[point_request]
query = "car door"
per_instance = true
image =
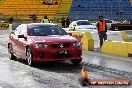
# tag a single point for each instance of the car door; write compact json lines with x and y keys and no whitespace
{"x":14,"y":40}
{"x":22,"y":42}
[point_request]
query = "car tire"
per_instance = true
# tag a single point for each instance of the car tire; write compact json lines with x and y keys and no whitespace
{"x":29,"y":57}
{"x":76,"y":62}
{"x":116,"y":28}
{"x":11,"y":56}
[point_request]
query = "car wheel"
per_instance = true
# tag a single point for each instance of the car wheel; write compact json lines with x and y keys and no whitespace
{"x":76,"y":62}
{"x":116,"y":28}
{"x":30,"y":57}
{"x":11,"y":56}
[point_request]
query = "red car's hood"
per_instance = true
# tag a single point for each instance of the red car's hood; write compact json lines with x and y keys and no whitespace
{"x":53,"y":38}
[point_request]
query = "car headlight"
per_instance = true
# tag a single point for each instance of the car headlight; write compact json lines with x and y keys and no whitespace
{"x":41,"y":45}
{"x":77,"y":44}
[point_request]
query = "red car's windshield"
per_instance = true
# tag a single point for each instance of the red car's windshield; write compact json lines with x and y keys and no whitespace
{"x":44,"y":30}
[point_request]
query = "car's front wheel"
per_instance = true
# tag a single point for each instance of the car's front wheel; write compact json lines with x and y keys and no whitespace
{"x":30,"y":57}
{"x":10,"y":51}
{"x":76,"y":62}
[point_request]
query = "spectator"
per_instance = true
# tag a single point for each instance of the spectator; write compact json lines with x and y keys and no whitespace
{"x":102,"y":29}
{"x":67,"y":22}
{"x":45,"y":20}
{"x":10,"y":24}
{"x":11,"y":20}
{"x":63,"y":22}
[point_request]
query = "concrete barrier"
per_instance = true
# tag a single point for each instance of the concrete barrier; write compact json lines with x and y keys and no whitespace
{"x":124,"y":36}
{"x":119,"y":48}
{"x":87,"y":40}
{"x":106,"y":47}
{"x":130,"y":48}
{"x":90,"y":41}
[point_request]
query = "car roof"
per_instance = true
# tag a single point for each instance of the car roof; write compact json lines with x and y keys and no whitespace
{"x":107,"y":19}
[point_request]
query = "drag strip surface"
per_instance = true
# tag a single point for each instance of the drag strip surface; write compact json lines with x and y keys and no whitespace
{"x":17,"y":74}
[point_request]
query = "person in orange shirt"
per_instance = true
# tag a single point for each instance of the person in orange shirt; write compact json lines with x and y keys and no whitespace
{"x":102,"y":29}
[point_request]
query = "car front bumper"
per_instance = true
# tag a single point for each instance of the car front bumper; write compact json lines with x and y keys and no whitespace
{"x":57,"y":54}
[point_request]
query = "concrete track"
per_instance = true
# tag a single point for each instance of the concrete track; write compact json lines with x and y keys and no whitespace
{"x":16,"y":74}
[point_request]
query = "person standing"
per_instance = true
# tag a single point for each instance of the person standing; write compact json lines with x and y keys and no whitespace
{"x":67,"y":22}
{"x":10,"y":24}
{"x":63,"y":22}
{"x":45,"y":20}
{"x":102,"y":29}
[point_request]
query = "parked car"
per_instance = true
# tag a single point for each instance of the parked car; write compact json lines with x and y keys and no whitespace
{"x":80,"y":25}
{"x":109,"y":22}
{"x":38,"y":42}
{"x":126,"y":25}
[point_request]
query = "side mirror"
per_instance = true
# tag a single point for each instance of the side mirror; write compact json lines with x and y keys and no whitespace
{"x":21,"y":36}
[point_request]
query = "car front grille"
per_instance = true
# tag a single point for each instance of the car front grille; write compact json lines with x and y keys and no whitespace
{"x":63,"y":45}
{"x":61,"y":56}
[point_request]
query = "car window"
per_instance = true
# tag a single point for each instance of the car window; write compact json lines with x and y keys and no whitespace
{"x":108,"y":21}
{"x":43,"y":30}
{"x":83,"y":23}
{"x":23,"y":30}
{"x":17,"y":30}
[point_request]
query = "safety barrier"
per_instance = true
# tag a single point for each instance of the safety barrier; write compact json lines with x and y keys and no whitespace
{"x":130,"y":49}
{"x":111,"y":35}
{"x":124,"y":36}
{"x":119,"y":48}
{"x":115,"y":45}
{"x":90,"y":40}
{"x":87,"y":40}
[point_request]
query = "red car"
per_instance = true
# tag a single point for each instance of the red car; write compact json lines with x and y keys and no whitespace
{"x":39,"y":42}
